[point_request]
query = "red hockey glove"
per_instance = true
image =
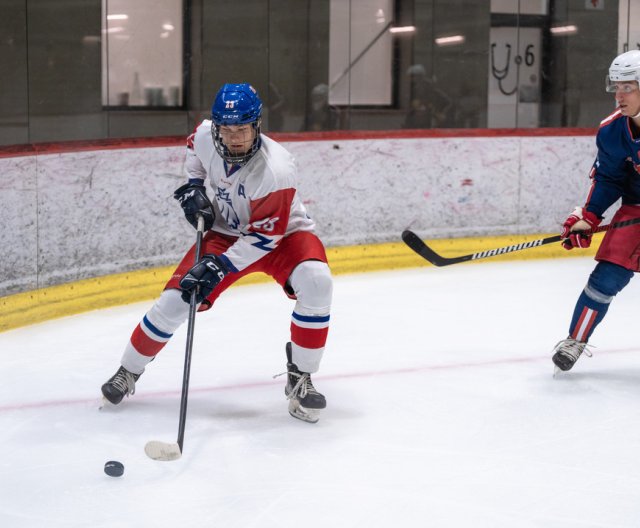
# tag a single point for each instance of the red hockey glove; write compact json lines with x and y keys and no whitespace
{"x":577,"y":229}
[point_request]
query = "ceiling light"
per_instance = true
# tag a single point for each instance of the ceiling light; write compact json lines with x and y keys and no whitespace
{"x":450,"y":41}
{"x":117,"y":17}
{"x":403,"y":29}
{"x":564,"y":30}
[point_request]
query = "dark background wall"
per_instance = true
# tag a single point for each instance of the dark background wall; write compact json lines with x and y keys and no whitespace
{"x":50,"y":65}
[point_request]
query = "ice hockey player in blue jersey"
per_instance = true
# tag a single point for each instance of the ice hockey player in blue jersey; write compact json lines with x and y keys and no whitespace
{"x":615,"y":175}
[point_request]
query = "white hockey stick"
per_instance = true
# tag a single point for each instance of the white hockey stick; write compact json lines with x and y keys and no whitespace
{"x":164,"y":451}
{"x":167,"y":451}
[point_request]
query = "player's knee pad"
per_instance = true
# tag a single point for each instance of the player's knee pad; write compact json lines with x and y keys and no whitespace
{"x":169,"y":311}
{"x":313,"y":286}
{"x":606,"y":280}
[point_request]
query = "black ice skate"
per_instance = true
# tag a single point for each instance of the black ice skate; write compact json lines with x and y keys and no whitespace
{"x":121,"y":384}
{"x":305,"y":401}
{"x":567,"y":353}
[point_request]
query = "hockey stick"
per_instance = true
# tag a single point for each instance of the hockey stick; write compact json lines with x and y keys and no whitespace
{"x":415,"y":242}
{"x":166,"y":451}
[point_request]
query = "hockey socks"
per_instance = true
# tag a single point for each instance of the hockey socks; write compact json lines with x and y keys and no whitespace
{"x":155,"y":330}
{"x":147,"y":339}
{"x":605,"y":281}
{"x":586,"y":316}
{"x":308,"y":337}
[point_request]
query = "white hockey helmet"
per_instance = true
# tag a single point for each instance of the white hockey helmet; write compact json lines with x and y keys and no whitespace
{"x":624,"y":68}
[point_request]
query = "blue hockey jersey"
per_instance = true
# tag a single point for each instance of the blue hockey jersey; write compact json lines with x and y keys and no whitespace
{"x":616,"y":171}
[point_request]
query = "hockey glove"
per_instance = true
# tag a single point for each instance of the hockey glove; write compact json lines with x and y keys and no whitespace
{"x":193,"y":199}
{"x":206,"y":274}
{"x":577,"y":229}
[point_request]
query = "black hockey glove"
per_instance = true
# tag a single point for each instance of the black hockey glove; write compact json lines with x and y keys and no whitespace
{"x":207,"y":274}
{"x":193,"y":199}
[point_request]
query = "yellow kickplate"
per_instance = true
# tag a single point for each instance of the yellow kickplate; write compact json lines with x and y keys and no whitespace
{"x":112,"y":290}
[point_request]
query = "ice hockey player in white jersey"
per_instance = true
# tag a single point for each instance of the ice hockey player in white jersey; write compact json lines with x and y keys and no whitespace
{"x":256,"y":222}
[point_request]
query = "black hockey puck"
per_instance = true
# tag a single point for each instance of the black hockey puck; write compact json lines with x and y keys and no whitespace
{"x":113,"y":468}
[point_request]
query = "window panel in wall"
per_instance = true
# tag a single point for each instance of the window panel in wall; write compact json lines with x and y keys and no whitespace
{"x":235,"y":47}
{"x":142,"y":53}
{"x":629,"y":25}
{"x":14,"y":104}
{"x":514,"y":63}
{"x":291,"y":38}
{"x":63,"y":57}
{"x":514,"y":80}
{"x":360,"y":54}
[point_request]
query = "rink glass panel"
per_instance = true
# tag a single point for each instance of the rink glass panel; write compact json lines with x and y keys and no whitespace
{"x":374,"y":65}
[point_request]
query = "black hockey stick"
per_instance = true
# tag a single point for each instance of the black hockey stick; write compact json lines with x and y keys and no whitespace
{"x":415,"y":242}
{"x":172,"y":451}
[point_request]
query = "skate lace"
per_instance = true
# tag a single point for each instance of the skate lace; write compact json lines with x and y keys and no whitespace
{"x":573,"y":348}
{"x":124,"y":382}
{"x":302,"y":387}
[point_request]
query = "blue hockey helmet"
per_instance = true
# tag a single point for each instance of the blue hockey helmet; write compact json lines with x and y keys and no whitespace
{"x":236,"y":104}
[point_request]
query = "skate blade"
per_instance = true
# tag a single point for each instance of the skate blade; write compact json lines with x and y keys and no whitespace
{"x":104,"y":403}
{"x":163,"y":451}
{"x":302,"y":413}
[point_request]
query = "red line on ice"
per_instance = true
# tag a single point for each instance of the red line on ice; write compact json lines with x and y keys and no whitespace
{"x":252,"y":385}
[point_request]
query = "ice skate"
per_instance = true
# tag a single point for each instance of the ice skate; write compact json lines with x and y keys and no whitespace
{"x":121,"y":384}
{"x":305,"y":401}
{"x":567,"y":352}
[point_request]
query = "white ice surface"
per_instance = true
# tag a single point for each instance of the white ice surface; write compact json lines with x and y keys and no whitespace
{"x":442,"y":412}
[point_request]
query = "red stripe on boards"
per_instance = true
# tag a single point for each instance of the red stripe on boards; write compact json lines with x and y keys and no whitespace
{"x":32,"y":149}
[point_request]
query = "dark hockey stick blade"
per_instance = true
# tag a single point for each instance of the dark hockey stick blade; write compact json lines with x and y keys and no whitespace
{"x":415,"y":242}
{"x":164,"y":451}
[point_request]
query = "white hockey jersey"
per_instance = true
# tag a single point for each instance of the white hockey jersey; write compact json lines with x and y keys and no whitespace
{"x":258,"y":203}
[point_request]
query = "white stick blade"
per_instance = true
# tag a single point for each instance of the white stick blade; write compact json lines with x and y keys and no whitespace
{"x":162,"y":450}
